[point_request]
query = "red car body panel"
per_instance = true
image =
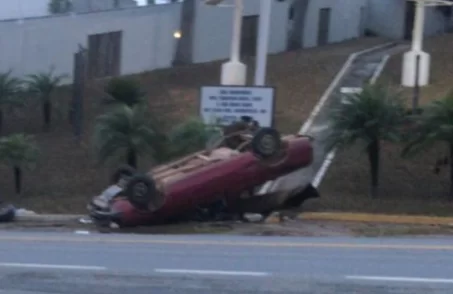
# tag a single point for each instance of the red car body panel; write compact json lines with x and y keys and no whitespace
{"x":223,"y":179}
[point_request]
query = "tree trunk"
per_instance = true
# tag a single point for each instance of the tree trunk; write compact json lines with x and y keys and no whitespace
{"x":18,"y":179}
{"x":47,"y":114}
{"x":132,"y":158}
{"x":451,"y":172}
{"x":373,"y":151}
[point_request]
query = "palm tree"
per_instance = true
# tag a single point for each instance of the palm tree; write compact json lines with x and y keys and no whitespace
{"x":122,"y":90}
{"x":18,"y":151}
{"x":434,"y":125}
{"x":127,"y":132}
{"x":43,"y":86}
{"x":371,"y":116}
{"x":59,"y":6}
{"x":10,"y":88}
{"x":191,"y":136}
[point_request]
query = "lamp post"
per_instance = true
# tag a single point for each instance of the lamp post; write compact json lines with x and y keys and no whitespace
{"x":234,"y":72}
{"x":263,"y":42}
{"x":416,"y":62}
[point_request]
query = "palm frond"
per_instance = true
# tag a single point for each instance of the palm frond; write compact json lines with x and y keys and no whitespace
{"x":435,"y":124}
{"x":125,"y":128}
{"x":10,"y":88}
{"x":43,"y":84}
{"x":18,"y":150}
{"x":123,"y":91}
{"x":373,"y":114}
{"x":191,"y":136}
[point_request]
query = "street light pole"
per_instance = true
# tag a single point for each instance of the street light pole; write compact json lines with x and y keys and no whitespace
{"x":263,"y":42}
{"x":416,"y":62}
{"x":234,"y":72}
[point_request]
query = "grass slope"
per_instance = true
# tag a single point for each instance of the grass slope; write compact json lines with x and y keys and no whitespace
{"x":408,"y":186}
{"x":67,"y":175}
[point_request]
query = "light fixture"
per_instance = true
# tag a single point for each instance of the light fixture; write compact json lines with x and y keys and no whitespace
{"x":177,"y":35}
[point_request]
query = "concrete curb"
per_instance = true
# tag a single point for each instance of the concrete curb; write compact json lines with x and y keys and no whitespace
{"x":48,"y":218}
{"x":372,"y":218}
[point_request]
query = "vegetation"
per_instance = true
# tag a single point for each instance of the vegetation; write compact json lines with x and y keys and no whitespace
{"x":191,"y":136}
{"x":42,"y":86}
{"x":123,"y":91}
{"x":435,"y":125}
{"x":18,"y":151}
{"x":10,"y":94}
{"x":369,"y":117}
{"x":127,"y":132}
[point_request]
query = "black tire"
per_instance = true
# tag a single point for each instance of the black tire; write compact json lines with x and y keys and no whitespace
{"x":7,"y":213}
{"x":141,"y":191}
{"x":266,"y":143}
{"x":124,"y":171}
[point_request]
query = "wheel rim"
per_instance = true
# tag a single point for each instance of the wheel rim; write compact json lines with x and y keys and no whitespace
{"x":268,"y":145}
{"x":140,"y":190}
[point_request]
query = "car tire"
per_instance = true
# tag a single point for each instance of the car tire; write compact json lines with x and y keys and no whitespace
{"x":141,"y":191}
{"x":7,"y":213}
{"x":266,"y":143}
{"x":124,"y":171}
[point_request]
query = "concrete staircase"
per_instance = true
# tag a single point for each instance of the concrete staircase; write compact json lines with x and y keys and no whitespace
{"x":360,"y":71}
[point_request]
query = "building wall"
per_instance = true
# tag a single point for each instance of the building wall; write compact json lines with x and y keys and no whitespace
{"x":387,"y":18}
{"x":11,"y":9}
{"x":36,"y":44}
{"x":213,"y":29}
{"x":98,"y":5}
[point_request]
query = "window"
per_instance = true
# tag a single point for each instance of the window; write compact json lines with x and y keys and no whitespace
{"x":104,"y":54}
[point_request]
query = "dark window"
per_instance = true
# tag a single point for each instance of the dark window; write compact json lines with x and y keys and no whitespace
{"x":104,"y":54}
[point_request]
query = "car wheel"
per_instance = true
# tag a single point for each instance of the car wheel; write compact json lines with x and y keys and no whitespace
{"x":266,"y":143}
{"x":124,"y":172}
{"x":141,"y":191}
{"x":7,"y":213}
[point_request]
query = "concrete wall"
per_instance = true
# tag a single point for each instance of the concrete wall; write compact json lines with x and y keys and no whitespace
{"x":387,"y":18}
{"x":213,"y":29}
{"x":344,"y":22}
{"x":11,"y":9}
{"x":98,"y":5}
{"x":36,"y":44}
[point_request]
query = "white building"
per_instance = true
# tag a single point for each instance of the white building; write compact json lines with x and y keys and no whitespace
{"x":395,"y":19}
{"x":133,"y":40}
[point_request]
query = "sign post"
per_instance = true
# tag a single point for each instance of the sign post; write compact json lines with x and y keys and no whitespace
{"x":226,"y":104}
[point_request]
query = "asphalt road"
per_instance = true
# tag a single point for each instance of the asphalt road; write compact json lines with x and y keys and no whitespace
{"x":38,"y":263}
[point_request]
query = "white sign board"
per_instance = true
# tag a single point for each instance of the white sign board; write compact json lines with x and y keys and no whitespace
{"x":226,"y":104}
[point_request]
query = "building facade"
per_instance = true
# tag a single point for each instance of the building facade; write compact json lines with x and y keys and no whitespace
{"x":132,"y":40}
{"x":401,"y":13}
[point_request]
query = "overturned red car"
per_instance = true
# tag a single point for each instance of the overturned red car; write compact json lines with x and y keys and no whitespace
{"x":203,"y":178}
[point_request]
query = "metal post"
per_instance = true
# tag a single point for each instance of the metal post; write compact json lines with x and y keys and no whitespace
{"x":416,"y":85}
{"x":419,"y":22}
{"x":263,"y":42}
{"x":237,"y":27}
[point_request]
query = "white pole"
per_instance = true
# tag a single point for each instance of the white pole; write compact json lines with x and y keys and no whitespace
{"x":419,"y":21}
{"x":237,"y":27}
{"x":263,"y":42}
{"x":234,"y":72}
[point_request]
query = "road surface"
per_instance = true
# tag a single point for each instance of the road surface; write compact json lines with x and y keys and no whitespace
{"x":43,"y":263}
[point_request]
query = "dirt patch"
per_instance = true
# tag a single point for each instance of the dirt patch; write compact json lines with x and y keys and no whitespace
{"x":67,"y":175}
{"x":408,"y":186}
